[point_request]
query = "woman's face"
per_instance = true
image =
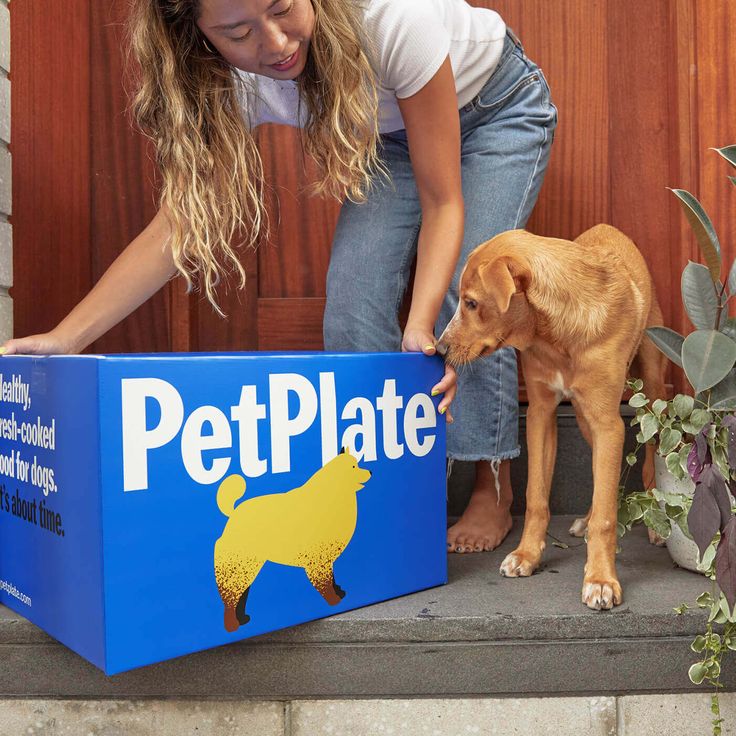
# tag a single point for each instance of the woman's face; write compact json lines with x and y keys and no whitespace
{"x":267,"y":37}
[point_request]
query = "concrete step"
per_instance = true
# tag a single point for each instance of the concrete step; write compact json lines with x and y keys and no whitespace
{"x":481,"y":634}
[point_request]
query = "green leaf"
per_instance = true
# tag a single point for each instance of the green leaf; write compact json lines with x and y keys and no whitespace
{"x":723,"y":394}
{"x":668,"y":440}
{"x":728,"y":326}
{"x":697,"y":673}
{"x":649,"y":427}
{"x":631,"y":459}
{"x":699,"y":296}
{"x":704,"y":231}
{"x":729,"y":153}
{"x":668,"y":341}
{"x":731,"y":290}
{"x":636,"y":385}
{"x":657,"y":520}
{"x":682,"y":523}
{"x":659,"y":406}
{"x":683,"y":405}
{"x":704,"y":600}
{"x":708,"y":557}
{"x":698,"y":644}
{"x":707,"y":357}
{"x":673,"y":465}
{"x":699,"y":418}
{"x":638,"y":400}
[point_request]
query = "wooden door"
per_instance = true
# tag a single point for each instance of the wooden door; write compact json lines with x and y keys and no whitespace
{"x":642,"y":91}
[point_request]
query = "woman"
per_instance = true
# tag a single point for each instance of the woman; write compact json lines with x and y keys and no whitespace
{"x":424,"y":114}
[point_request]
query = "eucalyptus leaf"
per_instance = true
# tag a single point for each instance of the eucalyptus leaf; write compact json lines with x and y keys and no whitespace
{"x":704,"y":231}
{"x":728,"y":326}
{"x":729,"y":153}
{"x":668,"y":341}
{"x":707,"y":357}
{"x":731,"y":282}
{"x":723,"y":394}
{"x":699,"y":296}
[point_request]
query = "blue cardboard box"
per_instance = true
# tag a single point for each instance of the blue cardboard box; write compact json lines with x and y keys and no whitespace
{"x":157,"y":505}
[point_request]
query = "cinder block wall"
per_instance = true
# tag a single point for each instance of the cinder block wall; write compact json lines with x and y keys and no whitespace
{"x":6,"y":192}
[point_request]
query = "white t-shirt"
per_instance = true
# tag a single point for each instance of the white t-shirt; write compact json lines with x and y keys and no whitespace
{"x":411,"y":39}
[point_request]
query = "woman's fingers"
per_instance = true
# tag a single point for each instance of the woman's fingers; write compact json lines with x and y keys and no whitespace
{"x":448,"y":386}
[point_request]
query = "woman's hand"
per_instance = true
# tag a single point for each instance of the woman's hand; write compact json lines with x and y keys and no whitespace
{"x":48,"y":343}
{"x":417,"y":340}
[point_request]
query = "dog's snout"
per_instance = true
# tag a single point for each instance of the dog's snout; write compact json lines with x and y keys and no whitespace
{"x":441,"y":347}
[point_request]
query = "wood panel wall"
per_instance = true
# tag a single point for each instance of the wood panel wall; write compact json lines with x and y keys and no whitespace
{"x":643,"y":90}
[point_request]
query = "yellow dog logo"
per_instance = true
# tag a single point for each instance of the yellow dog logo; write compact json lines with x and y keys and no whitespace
{"x":306,"y":527}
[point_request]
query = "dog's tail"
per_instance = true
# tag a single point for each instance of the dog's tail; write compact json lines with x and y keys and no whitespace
{"x":230,"y":490}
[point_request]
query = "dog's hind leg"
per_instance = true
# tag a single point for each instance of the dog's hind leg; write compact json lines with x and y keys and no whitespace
{"x":322,"y":577}
{"x":580,"y":526}
{"x":651,"y":363}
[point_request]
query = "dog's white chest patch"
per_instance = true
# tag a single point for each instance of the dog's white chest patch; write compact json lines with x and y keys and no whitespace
{"x":558,"y":386}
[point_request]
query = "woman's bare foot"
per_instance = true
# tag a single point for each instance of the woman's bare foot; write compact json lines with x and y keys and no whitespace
{"x":486,"y":520}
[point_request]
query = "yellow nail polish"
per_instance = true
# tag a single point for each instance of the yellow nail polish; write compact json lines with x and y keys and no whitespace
{"x":434,"y":392}
{"x":429,"y":347}
{"x":443,"y":410}
{"x":3,"y":351}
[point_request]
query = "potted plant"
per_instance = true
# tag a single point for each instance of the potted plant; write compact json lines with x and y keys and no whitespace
{"x":692,"y":505}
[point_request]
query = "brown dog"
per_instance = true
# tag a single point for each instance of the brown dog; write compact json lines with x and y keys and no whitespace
{"x":577,"y":312}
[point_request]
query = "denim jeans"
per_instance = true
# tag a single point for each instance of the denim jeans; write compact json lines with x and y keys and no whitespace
{"x":507,"y":133}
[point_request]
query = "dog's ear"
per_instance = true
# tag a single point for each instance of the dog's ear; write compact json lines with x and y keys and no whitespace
{"x":498,"y":282}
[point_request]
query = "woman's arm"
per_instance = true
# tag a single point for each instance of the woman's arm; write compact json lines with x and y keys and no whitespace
{"x":432,"y":127}
{"x":137,"y":273}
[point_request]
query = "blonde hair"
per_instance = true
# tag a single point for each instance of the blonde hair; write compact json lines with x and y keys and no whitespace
{"x":188,"y":101}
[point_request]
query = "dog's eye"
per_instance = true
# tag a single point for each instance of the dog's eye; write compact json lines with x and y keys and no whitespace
{"x":471,"y":303}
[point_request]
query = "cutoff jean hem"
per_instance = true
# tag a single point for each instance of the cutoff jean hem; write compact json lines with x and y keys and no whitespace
{"x":510,"y":455}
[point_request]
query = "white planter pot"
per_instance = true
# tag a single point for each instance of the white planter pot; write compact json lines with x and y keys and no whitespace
{"x":683,"y":551}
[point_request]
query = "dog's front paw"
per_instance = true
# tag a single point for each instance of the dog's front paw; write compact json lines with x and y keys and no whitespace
{"x":600,"y":594}
{"x":655,"y":539}
{"x":579,"y":527}
{"x":518,"y":564}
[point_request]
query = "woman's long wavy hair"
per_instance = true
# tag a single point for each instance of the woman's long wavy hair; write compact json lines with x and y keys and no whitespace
{"x":187,"y":100}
